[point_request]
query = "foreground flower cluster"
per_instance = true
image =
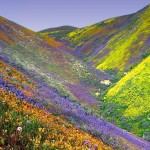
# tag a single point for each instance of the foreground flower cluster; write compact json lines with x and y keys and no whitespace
{"x":25,"y":126}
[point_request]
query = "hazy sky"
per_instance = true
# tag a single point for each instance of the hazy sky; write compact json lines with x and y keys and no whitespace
{"x":42,"y":14}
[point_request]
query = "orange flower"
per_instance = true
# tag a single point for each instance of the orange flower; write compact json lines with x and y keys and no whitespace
{"x":6,"y":120}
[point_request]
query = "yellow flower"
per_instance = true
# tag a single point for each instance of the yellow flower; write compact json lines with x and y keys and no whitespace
{"x":40,"y":129}
{"x":46,"y":141}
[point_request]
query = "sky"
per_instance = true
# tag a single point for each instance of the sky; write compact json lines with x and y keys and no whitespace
{"x":42,"y":14}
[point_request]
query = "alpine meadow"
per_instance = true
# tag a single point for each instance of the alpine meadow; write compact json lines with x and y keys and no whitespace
{"x":70,"y":88}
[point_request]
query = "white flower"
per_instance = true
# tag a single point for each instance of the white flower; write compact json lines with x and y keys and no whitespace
{"x":19,"y":129}
{"x":97,"y":93}
{"x":106,"y":82}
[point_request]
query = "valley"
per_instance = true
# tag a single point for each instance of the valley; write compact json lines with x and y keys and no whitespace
{"x":78,"y":88}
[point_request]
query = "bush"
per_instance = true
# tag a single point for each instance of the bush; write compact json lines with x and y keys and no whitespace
{"x":145,"y":124}
{"x":146,"y":136}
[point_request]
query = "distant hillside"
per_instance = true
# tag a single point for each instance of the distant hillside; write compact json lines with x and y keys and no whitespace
{"x":64,"y":28}
{"x":116,"y":44}
{"x":58,"y":33}
{"x":128,"y":102}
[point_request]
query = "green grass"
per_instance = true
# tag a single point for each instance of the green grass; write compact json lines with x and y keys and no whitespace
{"x":127,"y":103}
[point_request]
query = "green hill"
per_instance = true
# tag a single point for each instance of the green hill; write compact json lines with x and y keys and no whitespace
{"x":61,"y":28}
{"x":115,"y":44}
{"x":127,"y":103}
{"x":58,"y":33}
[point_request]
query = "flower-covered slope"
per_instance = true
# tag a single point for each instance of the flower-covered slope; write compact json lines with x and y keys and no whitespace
{"x":35,"y":73}
{"x":128,"y":102}
{"x":114,"y":44}
{"x":24,"y":126}
{"x":49,"y":60}
{"x":27,"y":120}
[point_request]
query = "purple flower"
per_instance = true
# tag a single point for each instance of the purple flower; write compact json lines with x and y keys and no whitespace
{"x":86,"y":142}
{"x":28,"y":121}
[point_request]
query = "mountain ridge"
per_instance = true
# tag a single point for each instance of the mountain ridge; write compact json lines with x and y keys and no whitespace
{"x":64,"y":27}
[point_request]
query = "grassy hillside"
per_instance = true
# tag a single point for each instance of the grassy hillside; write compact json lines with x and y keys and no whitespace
{"x":128,"y":102}
{"x":116,"y":44}
{"x":34,"y":115}
{"x":27,"y":126}
{"x":48,"y":60}
{"x":41,"y":78}
{"x":61,"y":28}
{"x":131,"y":45}
{"x":58,"y":33}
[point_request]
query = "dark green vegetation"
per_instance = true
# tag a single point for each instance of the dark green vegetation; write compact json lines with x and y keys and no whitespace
{"x":61,"y":28}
